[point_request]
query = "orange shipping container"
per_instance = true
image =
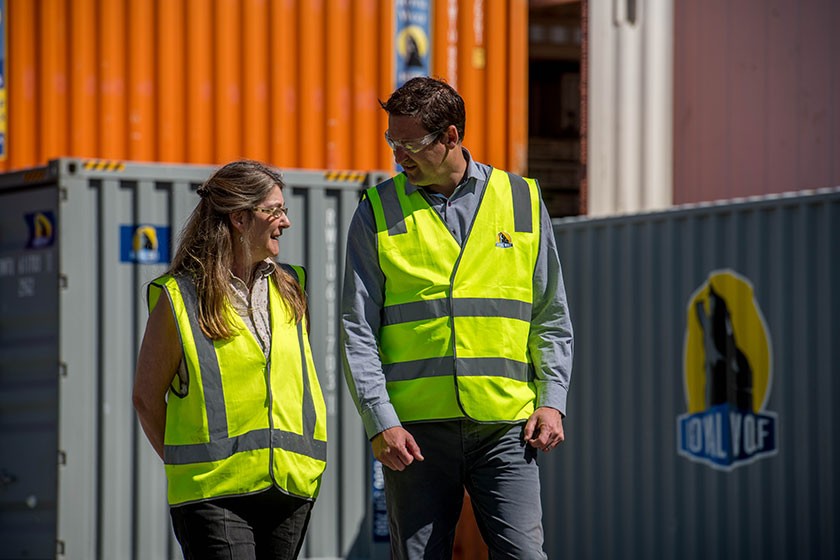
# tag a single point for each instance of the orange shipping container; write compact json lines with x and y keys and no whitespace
{"x":295,"y":83}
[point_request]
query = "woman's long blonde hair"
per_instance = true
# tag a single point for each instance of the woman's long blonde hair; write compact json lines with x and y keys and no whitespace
{"x":205,"y":247}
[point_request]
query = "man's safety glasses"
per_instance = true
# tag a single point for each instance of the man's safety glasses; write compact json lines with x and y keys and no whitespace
{"x":415,"y":145}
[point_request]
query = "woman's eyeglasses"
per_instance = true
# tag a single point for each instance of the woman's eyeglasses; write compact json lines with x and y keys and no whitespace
{"x":274,"y":212}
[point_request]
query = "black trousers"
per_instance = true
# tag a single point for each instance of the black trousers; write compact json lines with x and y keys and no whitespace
{"x":266,"y":525}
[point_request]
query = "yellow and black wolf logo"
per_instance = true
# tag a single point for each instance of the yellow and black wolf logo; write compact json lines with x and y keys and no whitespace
{"x":728,"y":374}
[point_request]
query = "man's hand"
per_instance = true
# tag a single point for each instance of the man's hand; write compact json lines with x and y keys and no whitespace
{"x":544,"y":429}
{"x":395,"y":448}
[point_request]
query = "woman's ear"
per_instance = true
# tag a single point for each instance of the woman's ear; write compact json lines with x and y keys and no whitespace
{"x":237,"y":220}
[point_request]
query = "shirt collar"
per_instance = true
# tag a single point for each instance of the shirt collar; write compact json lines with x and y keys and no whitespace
{"x":263,"y":269}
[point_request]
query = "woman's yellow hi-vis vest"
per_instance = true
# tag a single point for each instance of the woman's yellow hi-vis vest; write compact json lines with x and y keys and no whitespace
{"x":454,"y":334}
{"x":245,"y":423}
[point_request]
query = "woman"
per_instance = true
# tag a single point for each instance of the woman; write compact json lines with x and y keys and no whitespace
{"x":226,"y":390}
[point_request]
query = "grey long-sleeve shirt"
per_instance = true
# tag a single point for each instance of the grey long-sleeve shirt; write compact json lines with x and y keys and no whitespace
{"x":550,"y":338}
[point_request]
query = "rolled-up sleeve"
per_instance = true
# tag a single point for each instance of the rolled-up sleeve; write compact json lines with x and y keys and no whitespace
{"x":550,"y":341}
{"x":361,"y":311}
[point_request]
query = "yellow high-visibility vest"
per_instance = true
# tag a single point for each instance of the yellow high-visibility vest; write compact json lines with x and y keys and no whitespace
{"x":245,"y":423}
{"x":454,"y":335}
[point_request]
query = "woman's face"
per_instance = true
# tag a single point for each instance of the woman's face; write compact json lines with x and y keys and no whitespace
{"x":266,"y":229}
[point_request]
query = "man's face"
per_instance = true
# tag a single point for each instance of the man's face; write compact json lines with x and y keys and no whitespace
{"x":425,"y":166}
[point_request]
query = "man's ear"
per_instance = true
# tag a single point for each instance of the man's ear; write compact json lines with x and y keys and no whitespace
{"x":452,"y":137}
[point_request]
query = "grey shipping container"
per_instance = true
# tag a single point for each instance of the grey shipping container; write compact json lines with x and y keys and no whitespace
{"x":703,"y":414}
{"x":79,"y":240}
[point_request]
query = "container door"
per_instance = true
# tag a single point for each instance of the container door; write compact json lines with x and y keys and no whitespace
{"x":28,"y":372}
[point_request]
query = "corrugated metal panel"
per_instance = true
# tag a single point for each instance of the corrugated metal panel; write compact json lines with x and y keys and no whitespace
{"x":481,"y":48}
{"x":295,"y":83}
{"x":756,"y":91}
{"x":619,"y":487}
{"x":73,"y":314}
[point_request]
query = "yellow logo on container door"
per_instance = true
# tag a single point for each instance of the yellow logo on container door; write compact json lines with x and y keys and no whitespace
{"x":41,"y":229}
{"x":728,"y":375}
{"x":144,"y":244}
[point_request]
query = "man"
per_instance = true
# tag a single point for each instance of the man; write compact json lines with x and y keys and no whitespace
{"x":457,"y":337}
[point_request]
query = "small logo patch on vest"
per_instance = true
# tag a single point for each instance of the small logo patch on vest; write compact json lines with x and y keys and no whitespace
{"x":504,"y":240}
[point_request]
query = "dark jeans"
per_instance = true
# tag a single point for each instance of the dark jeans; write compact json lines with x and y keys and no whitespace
{"x":267,"y":525}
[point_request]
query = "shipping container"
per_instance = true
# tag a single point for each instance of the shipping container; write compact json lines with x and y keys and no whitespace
{"x":756,"y":90}
{"x":697,"y":100}
{"x":79,"y":241}
{"x":702,"y":417}
{"x":295,"y":83}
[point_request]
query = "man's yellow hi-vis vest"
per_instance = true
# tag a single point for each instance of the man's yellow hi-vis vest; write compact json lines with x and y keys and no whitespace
{"x":245,"y":423}
{"x":455,"y":325}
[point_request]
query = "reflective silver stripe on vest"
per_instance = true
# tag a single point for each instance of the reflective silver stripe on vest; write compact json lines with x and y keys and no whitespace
{"x":495,"y":367}
{"x":521,"y":204}
{"x":220,"y":445}
{"x":208,"y":363}
{"x":310,"y":417}
{"x":461,"y":307}
{"x":394,"y":219}
{"x":252,"y":441}
{"x":441,"y":367}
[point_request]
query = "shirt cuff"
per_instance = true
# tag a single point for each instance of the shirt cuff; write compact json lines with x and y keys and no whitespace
{"x":551,"y":394}
{"x":379,"y":418}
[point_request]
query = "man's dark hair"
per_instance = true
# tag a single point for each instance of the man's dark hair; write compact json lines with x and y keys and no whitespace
{"x":431,"y":100}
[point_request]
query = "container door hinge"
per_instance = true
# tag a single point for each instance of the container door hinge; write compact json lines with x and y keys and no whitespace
{"x":59,"y":548}
{"x":62,"y":194}
{"x":62,"y":281}
{"x":62,"y":458}
{"x":62,"y":369}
